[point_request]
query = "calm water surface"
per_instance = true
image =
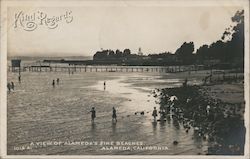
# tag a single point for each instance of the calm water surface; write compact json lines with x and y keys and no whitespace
{"x":37,"y":112}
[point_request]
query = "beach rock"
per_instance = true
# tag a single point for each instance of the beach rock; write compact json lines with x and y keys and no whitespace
{"x":204,"y":138}
{"x":175,"y":142}
{"x":161,"y":120}
{"x":173,"y":98}
{"x":211,"y":139}
{"x":196,"y":128}
{"x":142,"y":113}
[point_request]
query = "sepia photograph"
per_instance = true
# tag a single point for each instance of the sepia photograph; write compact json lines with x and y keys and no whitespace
{"x":125,"y":78}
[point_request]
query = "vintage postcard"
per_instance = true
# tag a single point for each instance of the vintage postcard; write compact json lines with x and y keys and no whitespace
{"x":124,"y":79}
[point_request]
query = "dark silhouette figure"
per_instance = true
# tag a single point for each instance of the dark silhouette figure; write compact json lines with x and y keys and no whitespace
{"x":206,"y":78}
{"x":57,"y":81}
{"x":104,"y":85}
{"x":185,"y":82}
{"x":19,"y":78}
{"x":114,"y":116}
{"x":154,"y":114}
{"x":93,"y":114}
{"x":12,"y":86}
{"x":53,"y":83}
{"x":9,"y":87}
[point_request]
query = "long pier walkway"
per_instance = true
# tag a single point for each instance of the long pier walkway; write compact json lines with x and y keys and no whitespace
{"x":110,"y":68}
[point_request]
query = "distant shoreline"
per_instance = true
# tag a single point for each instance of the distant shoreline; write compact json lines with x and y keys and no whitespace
{"x":49,"y":57}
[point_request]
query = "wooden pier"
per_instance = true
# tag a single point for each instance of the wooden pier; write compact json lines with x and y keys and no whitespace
{"x":90,"y":68}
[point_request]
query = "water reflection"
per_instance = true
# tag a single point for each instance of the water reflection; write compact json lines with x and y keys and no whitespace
{"x":197,"y":140}
{"x":93,"y":128}
{"x":113,"y":127}
{"x":154,"y":125}
{"x":140,"y":98}
{"x":176,"y":124}
{"x":162,"y":125}
{"x":168,"y":119}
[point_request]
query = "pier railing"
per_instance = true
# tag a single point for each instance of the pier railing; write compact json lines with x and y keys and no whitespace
{"x":110,"y":68}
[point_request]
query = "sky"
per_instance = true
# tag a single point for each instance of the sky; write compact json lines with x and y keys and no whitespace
{"x":89,"y":29}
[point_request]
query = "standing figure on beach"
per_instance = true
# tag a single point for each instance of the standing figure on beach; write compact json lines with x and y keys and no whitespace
{"x":185,"y":82}
{"x":104,"y":85}
{"x":19,"y":78}
{"x":154,"y":114}
{"x":57,"y":81}
{"x":93,"y":114}
{"x":53,"y":83}
{"x":208,"y":110}
{"x":12,"y":86}
{"x":9,"y":87}
{"x":114,"y":116}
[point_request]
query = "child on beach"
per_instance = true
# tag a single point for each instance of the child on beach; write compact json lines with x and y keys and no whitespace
{"x":93,"y":114}
{"x":57,"y":81}
{"x":114,"y":115}
{"x":154,"y":114}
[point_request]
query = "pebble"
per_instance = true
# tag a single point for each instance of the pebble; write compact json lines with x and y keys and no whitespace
{"x":175,"y":142}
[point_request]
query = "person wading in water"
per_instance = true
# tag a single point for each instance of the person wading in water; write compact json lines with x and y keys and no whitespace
{"x":19,"y":78}
{"x":9,"y":87}
{"x":114,"y":117}
{"x":93,"y":114}
{"x":53,"y":83}
{"x":104,"y":85}
{"x":154,"y":114}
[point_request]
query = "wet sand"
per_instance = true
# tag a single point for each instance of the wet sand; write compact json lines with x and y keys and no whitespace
{"x":37,"y":113}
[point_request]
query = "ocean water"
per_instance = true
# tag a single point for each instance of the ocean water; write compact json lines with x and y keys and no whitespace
{"x":43,"y":120}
